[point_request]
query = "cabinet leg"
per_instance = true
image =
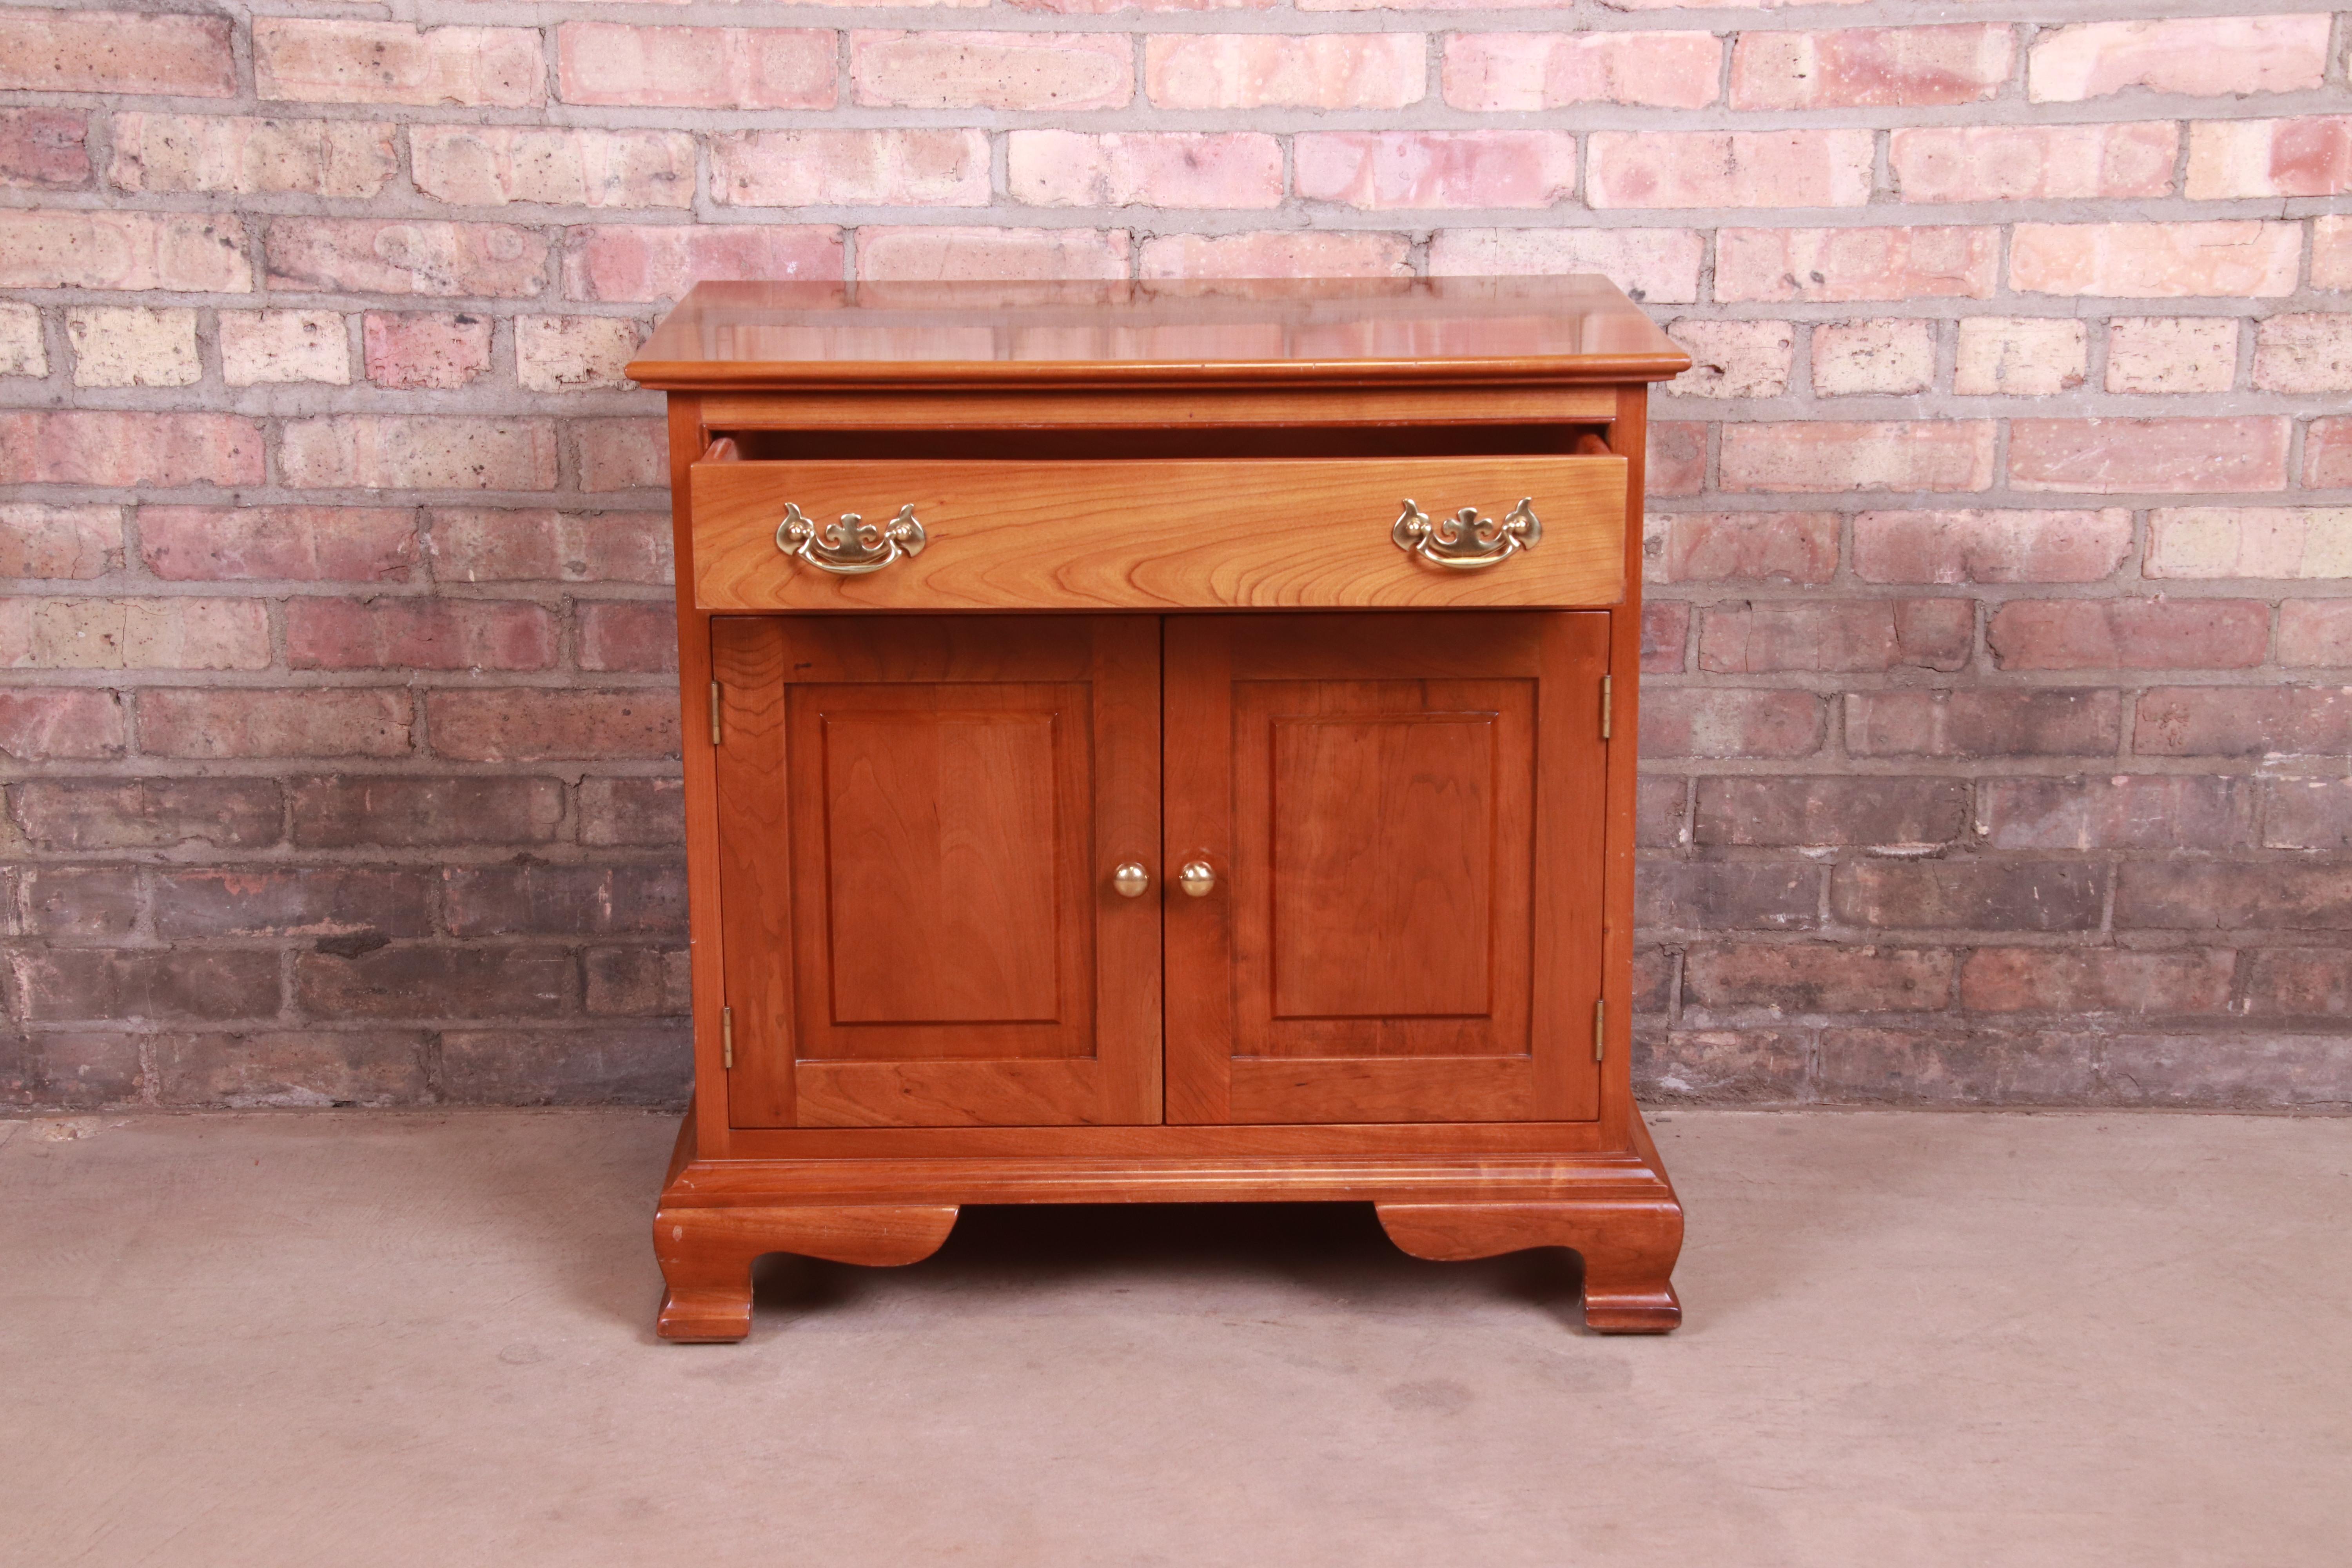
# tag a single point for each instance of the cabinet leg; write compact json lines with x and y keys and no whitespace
{"x":1628,"y":1249}
{"x":705,"y":1254}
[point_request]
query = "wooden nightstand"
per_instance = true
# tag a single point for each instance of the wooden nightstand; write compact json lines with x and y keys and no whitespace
{"x":1159,"y":742}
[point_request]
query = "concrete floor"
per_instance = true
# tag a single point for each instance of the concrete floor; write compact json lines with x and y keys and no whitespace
{"x":1912,"y":1339}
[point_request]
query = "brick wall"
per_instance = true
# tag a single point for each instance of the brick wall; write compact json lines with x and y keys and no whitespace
{"x":2001,"y":626}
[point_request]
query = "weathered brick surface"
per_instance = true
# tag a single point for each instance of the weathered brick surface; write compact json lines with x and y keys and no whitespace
{"x":1999,"y":554}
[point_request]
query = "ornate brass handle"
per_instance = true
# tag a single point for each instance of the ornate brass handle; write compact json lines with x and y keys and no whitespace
{"x":1197,"y":877}
{"x":1131,"y":878}
{"x":853,"y":546}
{"x":1466,"y":542}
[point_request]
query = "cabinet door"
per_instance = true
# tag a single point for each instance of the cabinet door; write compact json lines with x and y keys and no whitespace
{"x":1403,"y":814}
{"x":918,"y":819}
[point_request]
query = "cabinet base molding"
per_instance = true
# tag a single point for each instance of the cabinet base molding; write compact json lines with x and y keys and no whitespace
{"x":717,"y":1217}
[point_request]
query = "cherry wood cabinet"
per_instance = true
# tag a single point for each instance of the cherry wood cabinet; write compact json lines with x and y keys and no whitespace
{"x":1162,"y":743}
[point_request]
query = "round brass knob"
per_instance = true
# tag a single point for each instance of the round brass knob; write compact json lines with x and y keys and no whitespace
{"x":1197,"y":877}
{"x":1131,"y":878}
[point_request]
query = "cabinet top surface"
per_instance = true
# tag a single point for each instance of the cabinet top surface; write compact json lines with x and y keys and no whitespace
{"x":1579,"y":328}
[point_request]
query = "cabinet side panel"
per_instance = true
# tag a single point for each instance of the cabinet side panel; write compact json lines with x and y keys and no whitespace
{"x":710,"y":1119}
{"x":752,"y":763}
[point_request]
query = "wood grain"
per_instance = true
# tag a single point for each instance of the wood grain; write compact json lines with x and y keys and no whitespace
{"x":1628,"y":1246}
{"x":1097,"y":409}
{"x":705,"y":1254}
{"x":1152,"y":535}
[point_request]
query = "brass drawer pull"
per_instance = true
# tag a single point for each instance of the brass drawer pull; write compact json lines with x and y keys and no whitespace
{"x":1466,"y":542}
{"x":853,"y":546}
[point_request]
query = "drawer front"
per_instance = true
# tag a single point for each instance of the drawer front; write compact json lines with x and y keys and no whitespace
{"x":1159,"y":534}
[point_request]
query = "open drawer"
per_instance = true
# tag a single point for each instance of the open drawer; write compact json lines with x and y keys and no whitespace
{"x":1548,"y":531}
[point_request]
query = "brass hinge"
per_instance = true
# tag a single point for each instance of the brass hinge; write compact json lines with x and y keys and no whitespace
{"x":1599,"y":1031}
{"x":714,"y":713}
{"x":727,"y":1038}
{"x":1605,"y":705}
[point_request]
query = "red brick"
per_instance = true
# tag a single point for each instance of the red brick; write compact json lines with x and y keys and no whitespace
{"x":133,"y":985}
{"x":1666,"y":634}
{"x":1974,"y":1066}
{"x":1991,"y":546}
{"x":277,"y":544}
{"x":628,"y":634}
{"x":1889,"y":358}
{"x":1818,"y":977}
{"x":2331,"y":252}
{"x":391,"y":62}
{"x":623,"y":454}
{"x":1280,"y":253}
{"x":529,"y":725}
{"x":564,"y":900}
{"x":622,"y":262}
{"x":1717,"y":721}
{"x":261,"y":348}
{"x":44,"y":149}
{"x":22,"y":351}
{"x":1267,"y":71}
{"x":2158,"y":456}
{"x":641,"y":1065}
{"x":916,"y":167}
{"x":1806,"y":812}
{"x":1978,"y":895}
{"x":1833,"y":265}
{"x":2042,"y":723}
{"x":1892,"y":454}
{"x":2175,"y":893}
{"x":1436,"y":169}
{"x":1733,"y":359}
{"x":400,"y":811}
{"x":470,"y":546}
{"x":238,"y":723}
{"x":2129,"y":633}
{"x":1658,"y":266}
{"x":417,"y":634}
{"x":2299,"y":982}
{"x":2130,"y":811}
{"x":308,"y":900}
{"x":292,"y":1068}
{"x":991,"y":70}
{"x":148,"y":814}
{"x":2238,"y":259}
{"x":42,"y":724}
{"x":2019,"y":356}
{"x":122,"y":451}
{"x":188,"y":253}
{"x":1658,"y":811}
{"x":117,"y":345}
{"x":2304,"y":353}
{"x":2096,"y":980}
{"x":2223,"y":542}
{"x":437,"y":983}
{"x":2205,"y":56}
{"x":1871,"y":66}
{"x":1773,"y":635}
{"x":393,"y":256}
{"x":2239,"y":158}
{"x":1808,"y":168}
{"x":227,"y":154}
{"x":934,"y":253}
{"x":2033,"y":162}
{"x":2173,"y":353}
{"x":408,"y":351}
{"x":695,"y":67}
{"x":1676,"y":464}
{"x":2307,"y":814}
{"x":59,"y":541}
{"x":2227,"y":1072}
{"x":373,"y":451}
{"x":574,"y":353}
{"x":634,"y":811}
{"x":1747,"y":895}
{"x":1158,"y":169}
{"x":2316,"y":632}
{"x":1513,"y":72}
{"x":75,"y":1069}
{"x":73,"y":50}
{"x":1723,"y":1067}
{"x":639,"y":981}
{"x":2328,"y":453}
{"x":54,"y":632}
{"x":2244,"y":721}
{"x":491,"y":165}
{"x":1740,"y":546}
{"x":80,"y":903}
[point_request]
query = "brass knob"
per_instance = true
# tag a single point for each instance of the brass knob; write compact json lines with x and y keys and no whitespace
{"x":1197,"y":877}
{"x":1131,"y":878}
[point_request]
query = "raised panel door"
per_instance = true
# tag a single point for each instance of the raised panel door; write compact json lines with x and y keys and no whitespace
{"x":920,"y":819}
{"x":1404,"y":817}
